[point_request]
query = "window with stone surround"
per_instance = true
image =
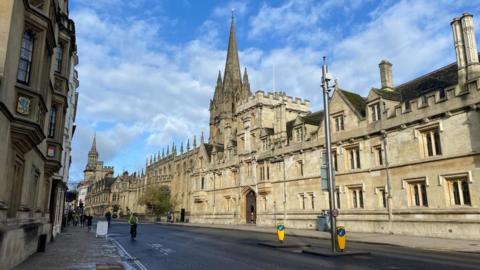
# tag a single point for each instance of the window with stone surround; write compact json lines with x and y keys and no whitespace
{"x":334,"y":160}
{"x":298,"y":134}
{"x":378,"y":155}
{"x":408,"y":106}
{"x":423,"y":101}
{"x":431,"y":141}
{"x":375,"y":112}
{"x":337,"y":197}
{"x":339,"y":122}
{"x":58,"y":58}
{"x":458,"y":191}
{"x":382,"y":197}
{"x":442,"y":94}
{"x":300,"y":167}
{"x":356,"y":196}
{"x":311,"y":196}
{"x":26,"y":56}
{"x":262,"y":172}
{"x":353,"y":157}
{"x":52,"y":121}
{"x":417,"y":192}
{"x":302,"y":200}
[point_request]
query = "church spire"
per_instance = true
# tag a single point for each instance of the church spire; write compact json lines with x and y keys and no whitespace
{"x":219,"y":78}
{"x":245,"y":76}
{"x":93,"y":154}
{"x":232,"y":76}
{"x":93,"y":149}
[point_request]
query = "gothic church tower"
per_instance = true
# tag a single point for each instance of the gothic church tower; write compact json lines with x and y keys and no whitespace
{"x":229,"y":92}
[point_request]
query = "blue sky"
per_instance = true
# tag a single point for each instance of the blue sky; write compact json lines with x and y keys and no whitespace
{"x":148,"y":68}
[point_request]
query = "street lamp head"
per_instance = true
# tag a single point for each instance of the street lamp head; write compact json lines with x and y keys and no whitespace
{"x":328,"y":76}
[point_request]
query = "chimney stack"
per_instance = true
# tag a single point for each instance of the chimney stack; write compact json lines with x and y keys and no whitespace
{"x":386,"y":75}
{"x":465,"y":48}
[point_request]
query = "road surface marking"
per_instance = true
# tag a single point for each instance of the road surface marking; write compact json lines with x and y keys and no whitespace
{"x":133,"y":259}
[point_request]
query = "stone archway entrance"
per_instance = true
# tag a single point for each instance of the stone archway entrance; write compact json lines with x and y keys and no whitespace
{"x":251,"y":207}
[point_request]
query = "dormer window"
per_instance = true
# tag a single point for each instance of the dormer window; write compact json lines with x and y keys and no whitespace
{"x":339,"y":123}
{"x":375,"y":110}
{"x":442,"y":94}
{"x":298,"y":134}
{"x":424,"y":101}
{"x":408,"y":106}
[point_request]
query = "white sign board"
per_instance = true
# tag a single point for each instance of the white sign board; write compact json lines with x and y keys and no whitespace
{"x":102,"y":228}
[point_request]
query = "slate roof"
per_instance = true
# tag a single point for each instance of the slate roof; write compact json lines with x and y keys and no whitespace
{"x":357,"y":101}
{"x":438,"y":79}
{"x":109,"y":181}
{"x":266,"y":131}
{"x":314,"y":118}
{"x":389,"y":95}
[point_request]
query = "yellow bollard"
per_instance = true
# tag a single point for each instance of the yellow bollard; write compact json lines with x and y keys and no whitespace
{"x":341,"y":238}
{"x":280,"y":232}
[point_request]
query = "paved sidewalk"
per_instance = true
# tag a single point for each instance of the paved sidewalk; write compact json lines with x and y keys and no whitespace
{"x":76,"y":249}
{"x":428,"y":243}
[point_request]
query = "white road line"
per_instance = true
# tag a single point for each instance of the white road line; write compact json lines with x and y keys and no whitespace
{"x":135,"y":260}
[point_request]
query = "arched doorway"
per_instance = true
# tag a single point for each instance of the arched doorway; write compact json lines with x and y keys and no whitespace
{"x":251,"y":207}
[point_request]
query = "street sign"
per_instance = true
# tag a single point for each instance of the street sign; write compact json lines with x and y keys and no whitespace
{"x":323,"y":176}
{"x":102,"y":228}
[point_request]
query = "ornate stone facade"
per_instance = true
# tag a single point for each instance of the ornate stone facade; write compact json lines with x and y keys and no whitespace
{"x":407,"y":157}
{"x":98,"y":179}
{"x":37,"y":55}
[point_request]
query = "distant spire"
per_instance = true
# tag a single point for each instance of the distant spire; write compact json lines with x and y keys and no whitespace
{"x":219,"y":78}
{"x":93,"y":149}
{"x":188,"y":145}
{"x":245,"y":76}
{"x":168,"y":150}
{"x":201,"y":138}
{"x":181,"y":148}
{"x":194,"y":141}
{"x":163,"y":152}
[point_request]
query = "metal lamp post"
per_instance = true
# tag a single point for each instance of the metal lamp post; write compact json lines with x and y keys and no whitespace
{"x":326,"y":77}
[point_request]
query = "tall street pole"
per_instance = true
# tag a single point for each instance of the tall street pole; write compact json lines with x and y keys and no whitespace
{"x":284,"y":193}
{"x":331,"y":181}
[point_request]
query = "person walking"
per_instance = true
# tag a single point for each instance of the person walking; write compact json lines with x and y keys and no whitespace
{"x":133,"y":221}
{"x":82,"y":220}
{"x":89,"y":222}
{"x":108,"y":217}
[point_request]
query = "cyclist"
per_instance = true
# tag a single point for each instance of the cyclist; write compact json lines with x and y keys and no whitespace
{"x":133,"y":221}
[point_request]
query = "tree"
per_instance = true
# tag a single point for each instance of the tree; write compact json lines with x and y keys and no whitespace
{"x":157,"y":200}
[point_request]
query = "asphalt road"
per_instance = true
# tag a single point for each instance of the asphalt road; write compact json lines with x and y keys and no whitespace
{"x":179,"y":247}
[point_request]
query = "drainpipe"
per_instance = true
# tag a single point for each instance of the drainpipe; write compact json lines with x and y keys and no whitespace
{"x":389,"y":185}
